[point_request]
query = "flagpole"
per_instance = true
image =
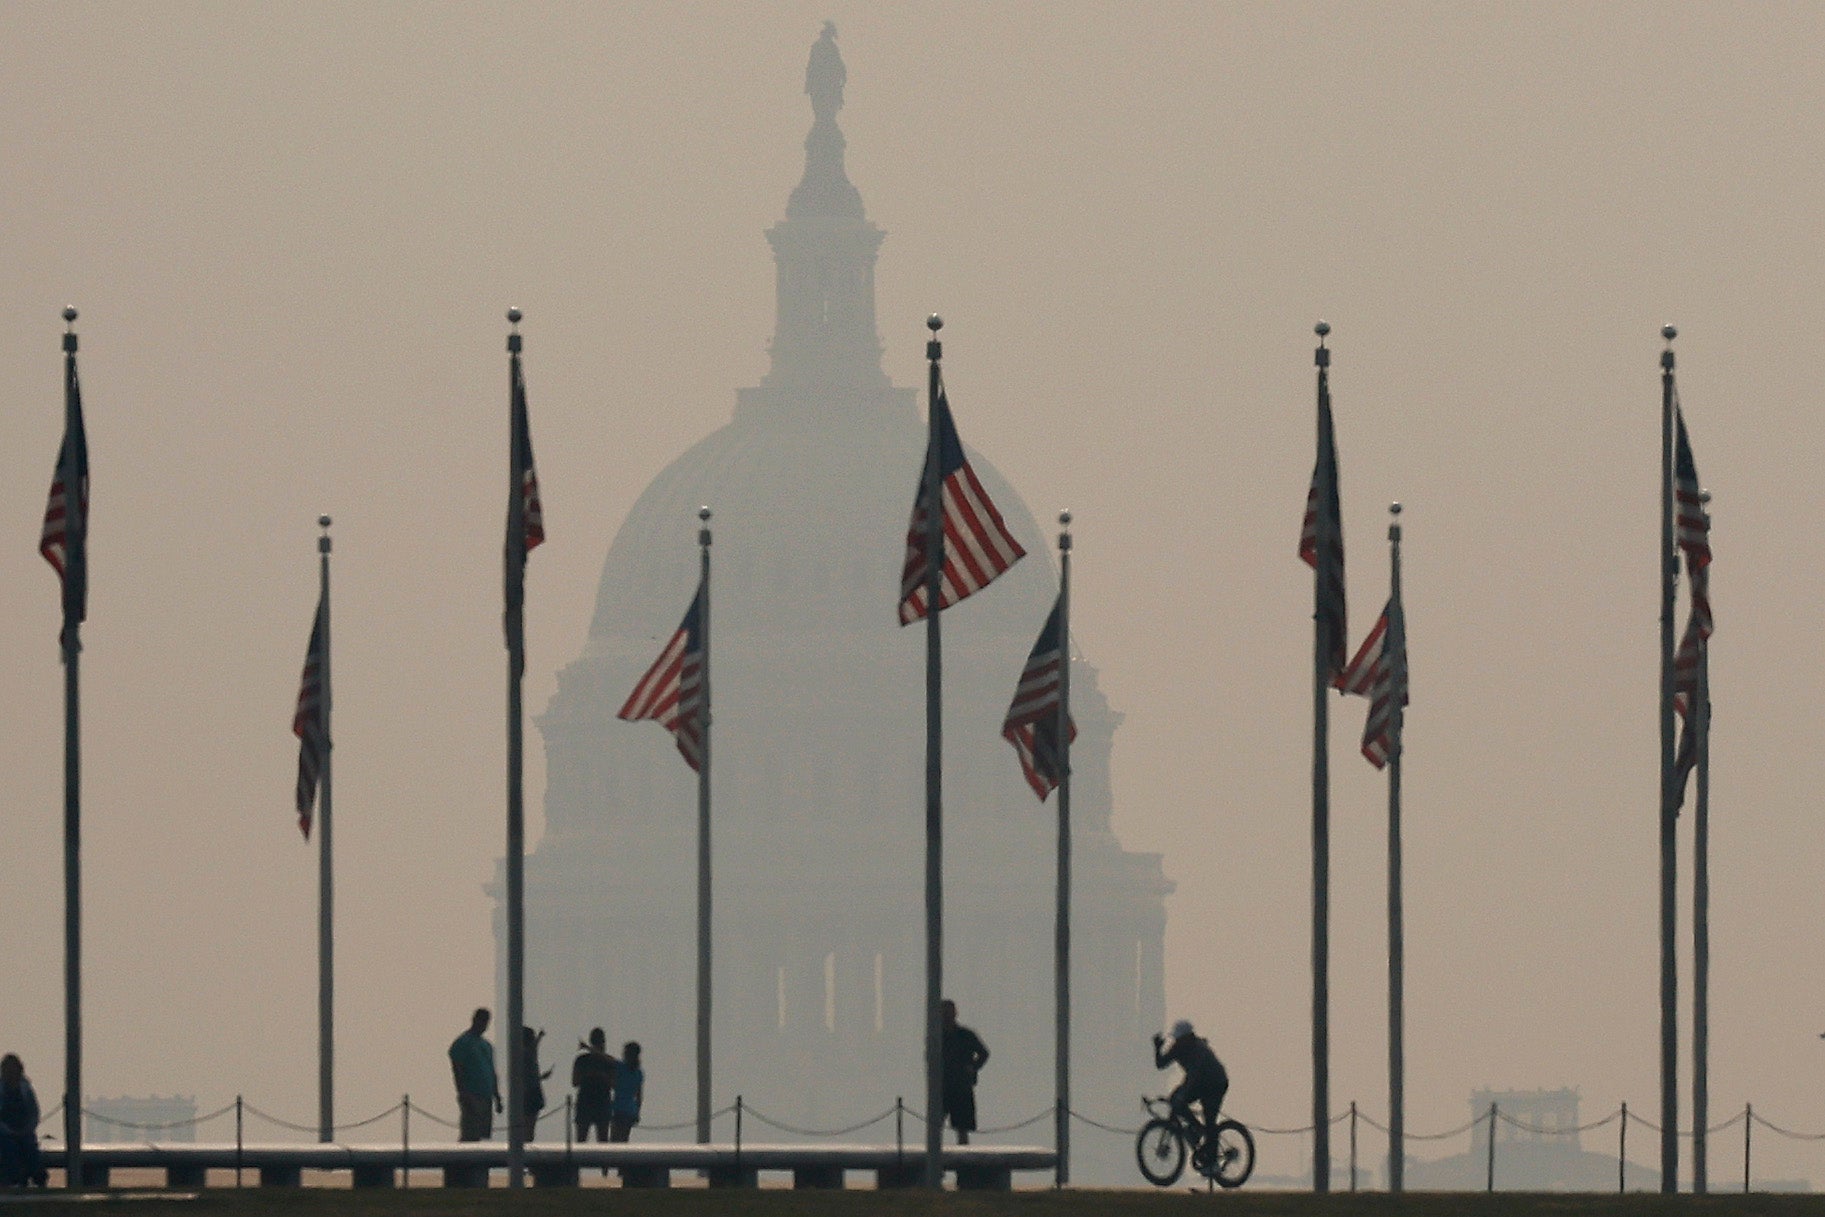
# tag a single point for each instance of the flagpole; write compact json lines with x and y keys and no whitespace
{"x":76,"y":525}
{"x":1321,"y":839}
{"x":1397,"y":1063}
{"x":703,"y":844}
{"x":1669,"y":797}
{"x":934,"y":773}
{"x":1062,"y":967}
{"x":1701,"y":911}
{"x":326,"y":1034}
{"x":516,"y":828}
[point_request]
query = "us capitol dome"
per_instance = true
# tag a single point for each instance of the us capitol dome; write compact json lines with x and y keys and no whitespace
{"x":819,"y":754}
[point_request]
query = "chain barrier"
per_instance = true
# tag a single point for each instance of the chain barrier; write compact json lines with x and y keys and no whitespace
{"x":751,"y":1110}
{"x":1622,"y":1113}
{"x":192,"y":1122}
{"x":1776,"y":1128}
{"x":1044,"y":1113}
{"x":1556,"y":1132}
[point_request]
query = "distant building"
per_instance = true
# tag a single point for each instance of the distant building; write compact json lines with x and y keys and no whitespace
{"x":1538,"y":1148}
{"x":158,"y":1118}
{"x":819,"y":746}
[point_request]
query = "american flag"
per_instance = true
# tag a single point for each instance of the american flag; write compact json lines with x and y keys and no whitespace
{"x":65,"y":539}
{"x":525,"y":516}
{"x":977,"y":544}
{"x":1364,"y":670}
{"x":1690,"y":660}
{"x":674,"y":688}
{"x":1379,"y":673}
{"x":1692,"y":526}
{"x":1032,"y":721}
{"x":1321,"y":544}
{"x":308,"y":725}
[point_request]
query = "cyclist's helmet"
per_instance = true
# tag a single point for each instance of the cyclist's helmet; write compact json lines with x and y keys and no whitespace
{"x":1181,"y":1029}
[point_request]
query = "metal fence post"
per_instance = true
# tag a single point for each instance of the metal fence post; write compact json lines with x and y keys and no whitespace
{"x":569,"y":1127}
{"x":1622,"y":1152}
{"x":899,"y":1131}
{"x":405,"y":1141}
{"x":237,"y":1140}
{"x":1490,"y":1183}
{"x":738,"y":1107}
{"x":1352,"y":1145}
{"x":1748,"y":1123}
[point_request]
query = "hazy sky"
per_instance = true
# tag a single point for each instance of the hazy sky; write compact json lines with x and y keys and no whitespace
{"x":292,"y":233}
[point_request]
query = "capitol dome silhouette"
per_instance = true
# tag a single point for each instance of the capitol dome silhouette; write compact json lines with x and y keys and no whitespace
{"x":818,"y":762}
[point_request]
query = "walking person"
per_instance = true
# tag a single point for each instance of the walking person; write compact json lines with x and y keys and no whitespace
{"x":478,"y":1092}
{"x":593,"y":1074}
{"x":19,"y":1161}
{"x":964,"y":1056}
{"x":630,"y":1091}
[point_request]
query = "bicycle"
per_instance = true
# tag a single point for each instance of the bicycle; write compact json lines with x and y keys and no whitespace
{"x":1225,"y":1155}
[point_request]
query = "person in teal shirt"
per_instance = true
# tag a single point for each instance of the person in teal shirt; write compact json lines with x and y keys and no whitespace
{"x":478,"y":1093}
{"x":630,"y":1089}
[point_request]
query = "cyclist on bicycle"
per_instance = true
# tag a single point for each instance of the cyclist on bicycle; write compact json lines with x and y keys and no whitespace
{"x":1205,"y":1082}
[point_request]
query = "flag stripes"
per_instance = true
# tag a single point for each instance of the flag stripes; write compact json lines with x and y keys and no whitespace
{"x":1031,"y":725}
{"x":671,"y":693}
{"x":308,"y":725}
{"x":525,"y":514}
{"x":977,"y":544}
{"x":64,"y":539}
{"x":1321,"y":544}
{"x":1692,"y":526}
{"x":1379,"y":673}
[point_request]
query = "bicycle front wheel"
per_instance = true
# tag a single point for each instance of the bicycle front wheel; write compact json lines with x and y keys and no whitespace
{"x":1160,"y":1151}
{"x":1234,"y":1155}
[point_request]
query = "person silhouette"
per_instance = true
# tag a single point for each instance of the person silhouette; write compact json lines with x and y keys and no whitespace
{"x":964,"y":1055}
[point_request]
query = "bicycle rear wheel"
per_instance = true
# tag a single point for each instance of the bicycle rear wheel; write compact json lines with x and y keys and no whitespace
{"x":1234,"y":1155}
{"x":1160,"y":1152}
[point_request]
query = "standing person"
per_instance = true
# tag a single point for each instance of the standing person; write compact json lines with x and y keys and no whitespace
{"x":593,"y":1074}
{"x":1206,"y":1082}
{"x":478,"y":1094}
{"x":533,"y":1101}
{"x":630,"y":1091}
{"x":19,"y":1162}
{"x":964,"y":1056}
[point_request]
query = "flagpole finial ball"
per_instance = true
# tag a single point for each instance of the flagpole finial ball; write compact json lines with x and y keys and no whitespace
{"x":1394,"y":509}
{"x":934,"y":323}
{"x":69,"y":312}
{"x":703,"y":513}
{"x":323,"y":521}
{"x":514,"y":315}
{"x":1322,"y":328}
{"x":1669,"y":332}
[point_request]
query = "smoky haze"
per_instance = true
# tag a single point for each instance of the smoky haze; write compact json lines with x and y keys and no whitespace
{"x":293,"y":233}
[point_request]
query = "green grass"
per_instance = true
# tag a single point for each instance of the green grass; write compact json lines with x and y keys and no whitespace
{"x":699,"y":1202}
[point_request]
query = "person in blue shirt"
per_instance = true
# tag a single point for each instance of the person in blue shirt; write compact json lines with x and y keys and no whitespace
{"x":630,"y":1090}
{"x":478,"y":1093}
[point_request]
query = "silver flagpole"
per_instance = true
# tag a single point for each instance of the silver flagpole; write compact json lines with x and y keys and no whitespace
{"x":1321,"y":838}
{"x":934,"y":775}
{"x":1701,"y":909}
{"x":703,"y":844}
{"x":326,"y":972}
{"x":516,"y":827}
{"x":1669,"y":797}
{"x":74,"y":518}
{"x":1062,"y":965}
{"x":1397,"y":1062}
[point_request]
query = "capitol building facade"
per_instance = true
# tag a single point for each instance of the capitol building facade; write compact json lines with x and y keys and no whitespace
{"x":819,"y":753}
